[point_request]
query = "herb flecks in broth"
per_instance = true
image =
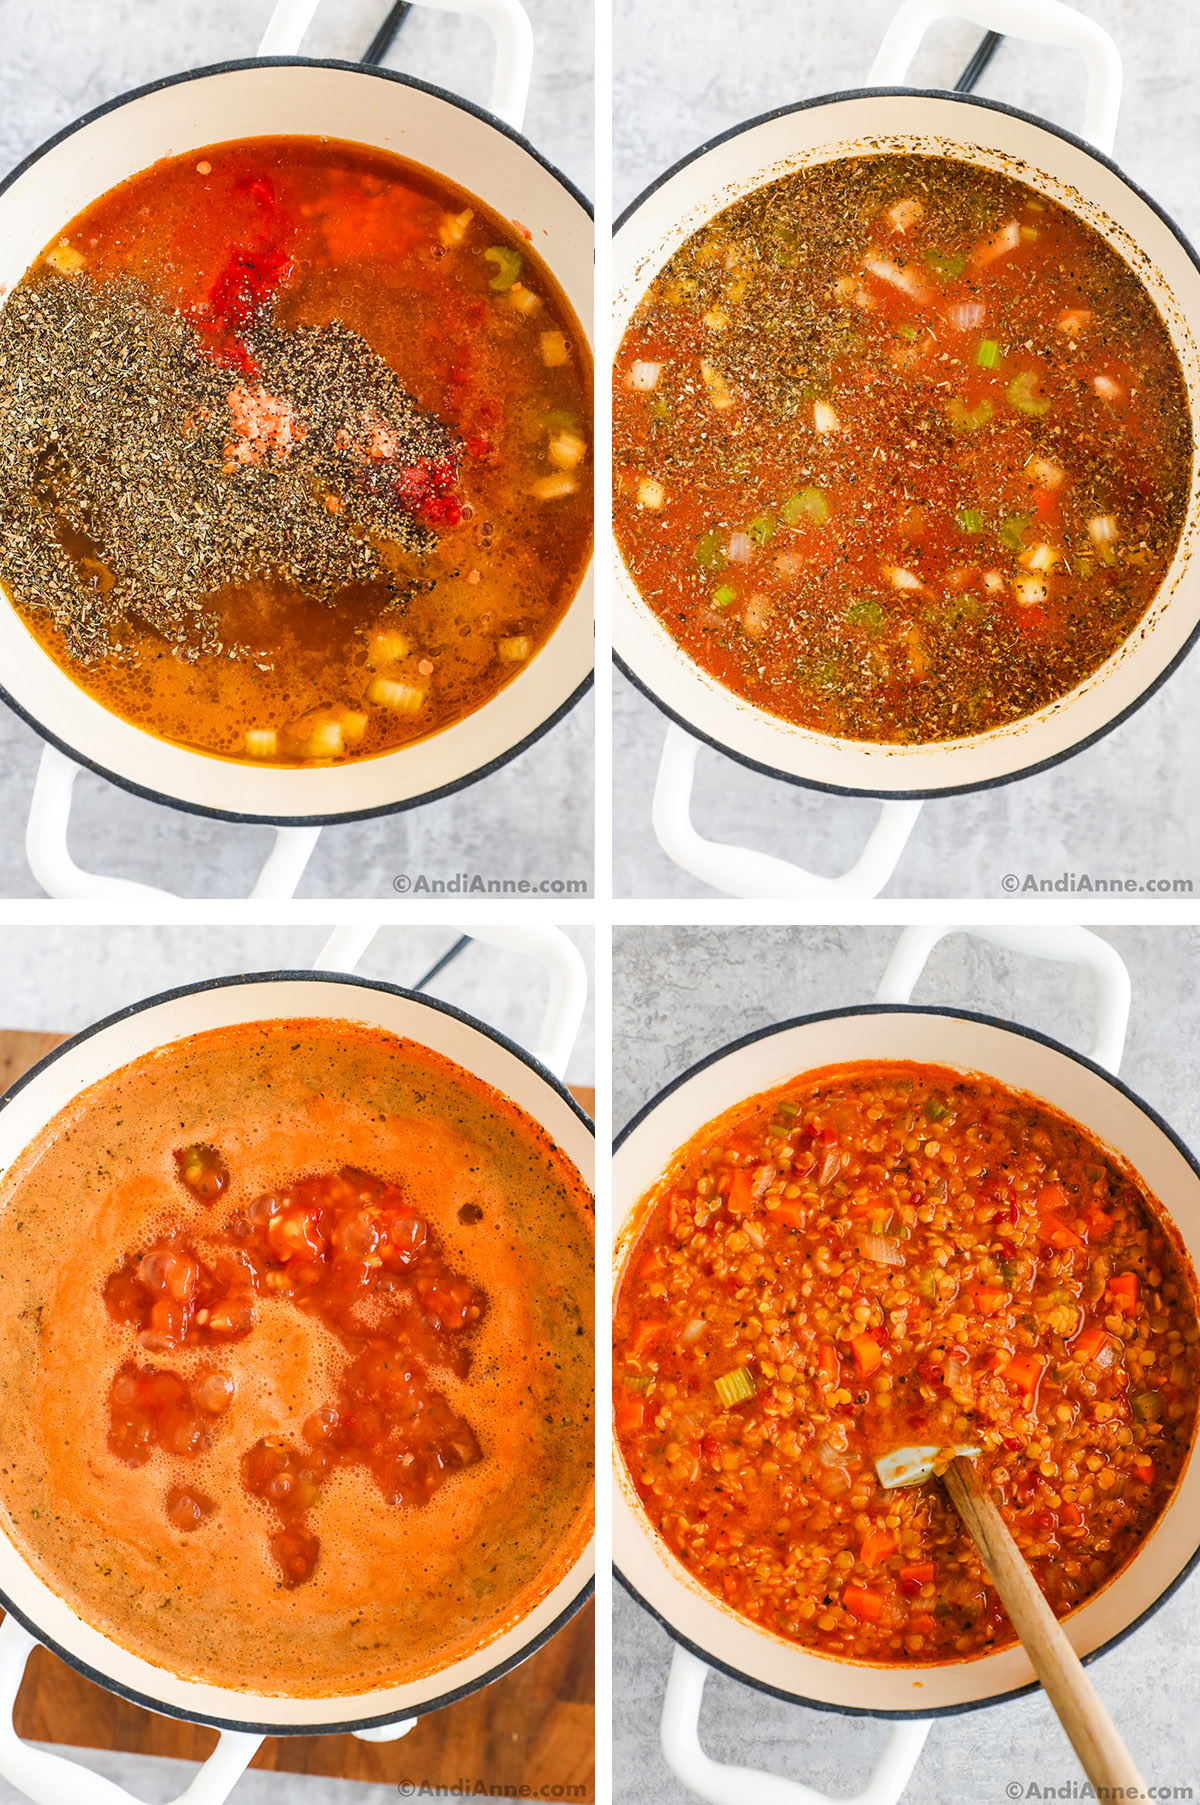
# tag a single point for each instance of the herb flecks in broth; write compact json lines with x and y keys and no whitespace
{"x":144,"y":476}
{"x":902,"y":449}
{"x":298,"y":473}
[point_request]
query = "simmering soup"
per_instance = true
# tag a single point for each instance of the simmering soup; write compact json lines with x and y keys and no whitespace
{"x":295,"y":1340}
{"x":293,"y":439}
{"x":902,"y":449}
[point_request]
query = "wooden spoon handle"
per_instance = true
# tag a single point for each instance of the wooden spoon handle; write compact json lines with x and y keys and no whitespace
{"x":1106,"y":1760}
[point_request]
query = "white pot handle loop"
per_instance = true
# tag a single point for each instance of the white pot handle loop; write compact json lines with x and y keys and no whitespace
{"x":1041,"y":21}
{"x":50,"y":859}
{"x":510,"y":27}
{"x":51,"y":1779}
{"x":1070,"y":945}
{"x":741,"y":871}
{"x":561,"y":957}
{"x":722,"y":1785}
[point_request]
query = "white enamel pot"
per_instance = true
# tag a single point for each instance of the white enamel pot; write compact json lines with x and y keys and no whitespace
{"x":1083,"y":1089}
{"x":35,"y":1611}
{"x":286,"y":94}
{"x":1077,"y":174}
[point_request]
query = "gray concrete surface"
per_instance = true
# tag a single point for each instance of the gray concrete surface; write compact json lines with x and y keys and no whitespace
{"x":533,"y":819}
{"x":63,"y":979}
{"x":683,"y":73}
{"x":679,"y":993}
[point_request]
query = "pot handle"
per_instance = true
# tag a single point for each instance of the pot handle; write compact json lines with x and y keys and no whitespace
{"x":49,"y":1779}
{"x":724,"y":1785}
{"x":56,"y":871}
{"x":510,"y":28}
{"x":1041,"y":21}
{"x":739,"y":870}
{"x":1069,"y":945}
{"x":561,"y":957}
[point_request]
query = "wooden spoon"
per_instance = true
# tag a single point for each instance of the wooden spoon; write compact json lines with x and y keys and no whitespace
{"x":1106,"y":1761}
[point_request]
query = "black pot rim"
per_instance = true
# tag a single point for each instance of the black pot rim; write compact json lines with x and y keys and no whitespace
{"x":1038,"y":766}
{"x":491,"y":765}
{"x":982,"y":1019}
{"x":320,"y":1727}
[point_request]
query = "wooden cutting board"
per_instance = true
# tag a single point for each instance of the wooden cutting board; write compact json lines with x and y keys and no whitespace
{"x":533,"y":1729}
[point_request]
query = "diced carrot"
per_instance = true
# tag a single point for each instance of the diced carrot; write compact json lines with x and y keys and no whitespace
{"x":924,"y":1625}
{"x":644,"y":1336}
{"x":989,"y":1299}
{"x":877,"y":1545}
{"x":655,"y":1261}
{"x":867,"y":1352}
{"x":1058,"y":1234}
{"x":792,"y":1215}
{"x":1024,"y":1371}
{"x":1071,"y":1516}
{"x":630,"y":1414}
{"x":1051,"y":1199}
{"x":1143,"y":1466}
{"x":740,"y":1200}
{"x":1089,"y":1342}
{"x":1123,"y":1289}
{"x":862,"y":1603}
{"x":920,"y":1573}
{"x":1098,"y":1222}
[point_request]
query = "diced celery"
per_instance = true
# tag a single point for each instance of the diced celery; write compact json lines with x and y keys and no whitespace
{"x":865,"y":614}
{"x":935,"y":1109}
{"x":735,"y":1387}
{"x":969,"y":520}
{"x":988,"y":354}
{"x":1022,"y":391}
{"x":723,"y":596}
{"x":638,"y":1381}
{"x":809,"y":504}
{"x":907,"y":331}
{"x":945,"y":267}
{"x":508,"y":266}
{"x":761,"y":528}
{"x":968,"y":419}
{"x":1012,"y":531}
{"x":710,"y":551}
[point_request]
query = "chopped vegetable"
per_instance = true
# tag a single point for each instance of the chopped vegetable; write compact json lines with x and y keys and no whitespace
{"x":262,"y":742}
{"x":566,"y":450}
{"x":1013,"y":530}
{"x":386,"y":646}
{"x":1023,"y":392}
{"x":862,"y":1603}
{"x":642,"y":376}
{"x":553,"y":488}
{"x":761,"y":528}
{"x":555,"y":349}
{"x":867,"y":1352}
{"x":968,"y":419}
{"x":453,"y":228}
{"x":719,"y":392}
{"x":866,"y":614}
{"x":1123,"y":1289}
{"x":876,"y":1546}
{"x":735,"y":1387}
{"x":523,"y":299}
{"x":649,"y":493}
{"x":824,"y":418}
{"x":948,"y":268}
{"x":810,"y":504}
{"x":402,"y":698}
{"x":969,"y":520}
{"x":710,"y":551}
{"x":515,"y":650}
{"x":988,"y":354}
{"x":508,"y":266}
{"x":723,"y":596}
{"x":1147,"y":1406}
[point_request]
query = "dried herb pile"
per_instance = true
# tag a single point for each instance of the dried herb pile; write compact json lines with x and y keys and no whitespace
{"x":132,"y":490}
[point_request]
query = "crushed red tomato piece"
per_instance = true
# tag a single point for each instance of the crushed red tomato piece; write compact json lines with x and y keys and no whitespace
{"x":347,"y":1248}
{"x":203,"y":1171}
{"x":900,"y":1254}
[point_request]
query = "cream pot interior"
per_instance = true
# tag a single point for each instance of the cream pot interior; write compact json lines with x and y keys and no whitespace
{"x":449,"y":137}
{"x":126,"y":1037}
{"x":1017,"y":1058}
{"x":1057,"y":166}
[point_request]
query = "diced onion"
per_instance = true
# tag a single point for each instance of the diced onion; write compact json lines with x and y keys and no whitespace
{"x":387,"y":646}
{"x":353,"y":725}
{"x":693,"y":1331}
{"x":881,"y":1248}
{"x":904,"y":214}
{"x":650,"y":494}
{"x":642,"y":375}
{"x":1074,"y":320}
{"x":824,"y":418}
{"x":901,"y":579}
{"x":739,"y":548}
{"x":993,"y":581}
{"x":1039,"y":557}
{"x":1044,"y":472}
{"x":716,"y":319}
{"x":1029,"y":591}
{"x":828,"y":1457}
{"x":999,"y":244}
{"x":402,"y":698}
{"x":66,"y":259}
{"x":262,"y":742}
{"x":966,"y":316}
{"x":756,"y":616}
{"x":553,"y":488}
{"x":555,"y":350}
{"x":523,"y":299}
{"x":1106,"y":388}
{"x":566,"y":449}
{"x":453,"y":228}
{"x":516,"y":649}
{"x":906,"y":280}
{"x":1103,"y":530}
{"x":718,"y":389}
{"x":325,"y":740}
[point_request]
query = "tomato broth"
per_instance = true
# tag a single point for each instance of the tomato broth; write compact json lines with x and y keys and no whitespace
{"x":902,"y":449}
{"x":295,"y":1333}
{"x":343,"y":497}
